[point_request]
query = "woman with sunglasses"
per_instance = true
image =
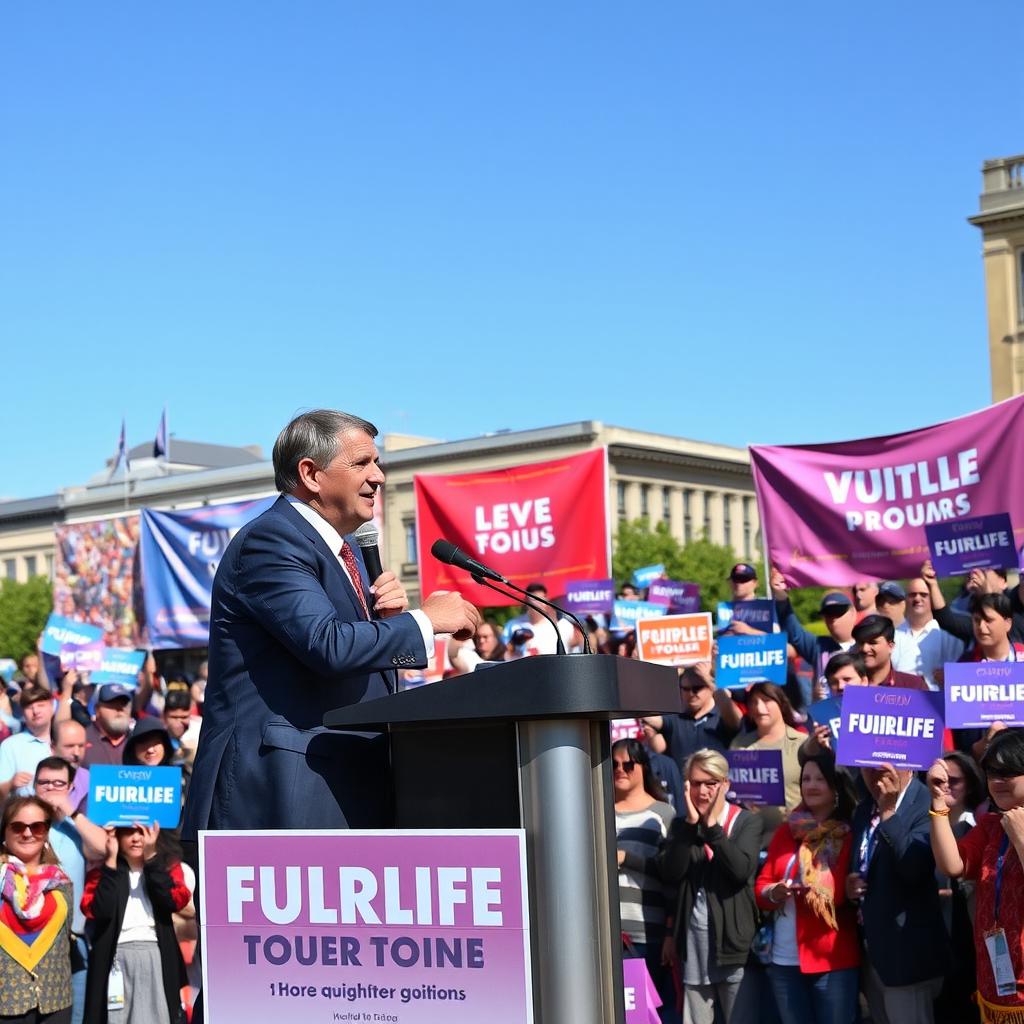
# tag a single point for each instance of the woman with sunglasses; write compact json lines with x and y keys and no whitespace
{"x":991,"y":855}
{"x":711,"y":855}
{"x":35,"y":918}
{"x":642,"y":819}
{"x":135,"y":969}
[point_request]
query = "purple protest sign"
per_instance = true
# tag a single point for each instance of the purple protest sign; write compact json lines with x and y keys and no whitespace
{"x":755,"y":777}
{"x":424,"y":926}
{"x":680,"y":597}
{"x":890,"y":725}
{"x":982,"y":542}
{"x":590,"y":597}
{"x":979,"y":693}
{"x":835,"y":514}
{"x":87,"y":657}
{"x":641,"y":997}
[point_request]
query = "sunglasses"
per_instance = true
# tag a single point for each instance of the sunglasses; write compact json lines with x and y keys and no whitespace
{"x":693,"y":689}
{"x":626,"y":766}
{"x":37,"y":828}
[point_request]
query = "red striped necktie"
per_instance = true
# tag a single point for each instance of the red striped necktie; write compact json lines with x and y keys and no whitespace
{"x":349,"y":559}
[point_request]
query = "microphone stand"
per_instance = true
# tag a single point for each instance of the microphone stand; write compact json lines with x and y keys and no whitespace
{"x":551,"y":604}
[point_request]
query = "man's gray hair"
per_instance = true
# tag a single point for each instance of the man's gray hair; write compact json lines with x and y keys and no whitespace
{"x":311,"y":435}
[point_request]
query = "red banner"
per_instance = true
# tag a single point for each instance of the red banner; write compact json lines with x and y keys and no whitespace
{"x":545,"y":522}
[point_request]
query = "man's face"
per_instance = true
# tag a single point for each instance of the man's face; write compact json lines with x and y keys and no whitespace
{"x":531,"y":613}
{"x":844,"y":677}
{"x":895,"y":611}
{"x":743,"y":587}
{"x":70,"y":742}
{"x":114,"y":717}
{"x":52,"y":784}
{"x":629,"y":593}
{"x":839,"y":621}
{"x":919,"y":602}
{"x":176,"y":722}
{"x":38,"y":716}
{"x":346,"y":489}
{"x":864,"y":595}
{"x":694,"y":693}
{"x":990,"y":628}
{"x":485,"y":641}
{"x":30,"y":666}
{"x":877,"y":653}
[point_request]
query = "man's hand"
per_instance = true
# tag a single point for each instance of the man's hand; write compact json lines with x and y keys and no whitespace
{"x":887,"y":791}
{"x":855,"y":887}
{"x":58,"y":801}
{"x":389,"y":595}
{"x":67,"y":684}
{"x":1013,"y":826}
{"x":777,"y":582}
{"x":739,"y":628}
{"x":938,"y":784}
{"x":450,"y":613}
{"x":928,"y":573}
{"x":823,"y":736}
{"x":21,"y":779}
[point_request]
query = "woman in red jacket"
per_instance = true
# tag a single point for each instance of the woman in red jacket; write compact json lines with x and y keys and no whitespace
{"x":815,"y":954}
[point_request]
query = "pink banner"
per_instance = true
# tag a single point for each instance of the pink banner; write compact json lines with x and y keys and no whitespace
{"x":833,"y":514}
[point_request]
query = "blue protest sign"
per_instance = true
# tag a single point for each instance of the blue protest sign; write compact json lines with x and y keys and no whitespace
{"x":590,"y":597}
{"x":979,"y":693}
{"x":119,"y":665}
{"x":758,"y":614}
{"x":130,"y":794}
{"x":743,"y":660}
{"x":642,"y":577}
{"x":981,"y":542}
{"x":680,"y":597}
{"x":890,"y":725}
{"x":827,"y":712}
{"x":180,"y":553}
{"x":625,"y":613}
{"x":755,"y":777}
{"x":8,"y":666}
{"x":63,"y":632}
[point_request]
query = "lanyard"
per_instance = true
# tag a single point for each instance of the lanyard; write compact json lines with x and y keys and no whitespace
{"x":1004,"y":844}
{"x":867,"y":846}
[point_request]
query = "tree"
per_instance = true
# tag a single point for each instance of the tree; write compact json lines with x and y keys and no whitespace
{"x":24,"y":608}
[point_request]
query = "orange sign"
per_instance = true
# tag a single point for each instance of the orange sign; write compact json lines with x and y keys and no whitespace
{"x":675,"y":639}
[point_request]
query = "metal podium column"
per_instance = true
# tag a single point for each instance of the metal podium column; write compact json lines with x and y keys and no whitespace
{"x":565,"y":790}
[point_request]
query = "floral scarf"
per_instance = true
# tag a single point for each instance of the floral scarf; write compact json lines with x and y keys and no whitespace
{"x":25,"y":894}
{"x":818,"y":853}
{"x":32,"y":910}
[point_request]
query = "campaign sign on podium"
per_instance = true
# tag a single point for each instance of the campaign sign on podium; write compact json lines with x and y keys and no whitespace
{"x":134,"y":795}
{"x":408,"y":926}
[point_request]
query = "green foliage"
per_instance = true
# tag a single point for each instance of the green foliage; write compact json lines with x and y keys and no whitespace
{"x":700,"y":561}
{"x":24,"y":608}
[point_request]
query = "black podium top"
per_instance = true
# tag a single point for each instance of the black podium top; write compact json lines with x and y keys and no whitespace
{"x":595,"y":686}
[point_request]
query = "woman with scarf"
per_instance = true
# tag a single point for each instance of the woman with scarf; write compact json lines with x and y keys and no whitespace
{"x":35,"y":918}
{"x":815,"y":954}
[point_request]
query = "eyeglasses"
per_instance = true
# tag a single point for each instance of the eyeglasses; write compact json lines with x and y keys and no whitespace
{"x":626,"y":766}
{"x":696,"y":688}
{"x":53,"y":783}
{"x":705,"y":784}
{"x":37,"y":828}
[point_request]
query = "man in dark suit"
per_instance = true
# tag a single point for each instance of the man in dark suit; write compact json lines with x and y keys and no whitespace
{"x":906,"y":951}
{"x":295,"y":630}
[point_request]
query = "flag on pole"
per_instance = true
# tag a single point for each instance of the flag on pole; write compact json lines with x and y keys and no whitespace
{"x":122,"y":453}
{"x":160,"y":441}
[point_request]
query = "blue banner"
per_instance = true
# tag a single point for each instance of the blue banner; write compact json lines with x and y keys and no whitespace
{"x":743,"y":660}
{"x":62,"y":632}
{"x":827,"y":712}
{"x":180,"y":554}
{"x":119,"y":665}
{"x":134,"y":795}
{"x":758,"y":614}
{"x":642,"y":577}
{"x":625,"y":613}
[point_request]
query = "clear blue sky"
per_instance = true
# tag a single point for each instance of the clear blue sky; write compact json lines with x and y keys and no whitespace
{"x":735,"y":222}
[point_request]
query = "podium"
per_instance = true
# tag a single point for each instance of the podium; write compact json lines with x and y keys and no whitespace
{"x":526,"y":744}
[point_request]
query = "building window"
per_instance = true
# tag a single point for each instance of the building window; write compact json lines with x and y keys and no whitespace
{"x":645,"y":499}
{"x":687,"y":516}
{"x":727,"y":517}
{"x":620,"y":498}
{"x":49,"y":566}
{"x":409,"y":528}
{"x":708,"y":495}
{"x":666,"y":504}
{"x":10,"y":569}
{"x":30,"y":566}
{"x":748,"y":551}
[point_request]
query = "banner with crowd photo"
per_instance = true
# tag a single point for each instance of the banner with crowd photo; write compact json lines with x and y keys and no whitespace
{"x":544,"y":522}
{"x":180,"y":554}
{"x":94,"y":577}
{"x":833,"y":514}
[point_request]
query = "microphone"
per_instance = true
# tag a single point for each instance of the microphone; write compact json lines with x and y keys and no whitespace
{"x":445,"y":551}
{"x":367,"y":537}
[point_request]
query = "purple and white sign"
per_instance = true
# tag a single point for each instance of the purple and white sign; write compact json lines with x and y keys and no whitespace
{"x":63,"y":632}
{"x":87,"y":657}
{"x":641,"y":997}
{"x":683,"y":598}
{"x":981,"y":542}
{"x":755,"y":777}
{"x":743,"y":660}
{"x":590,"y":597}
{"x":758,"y":614}
{"x":979,"y":693}
{"x":414,"y":927}
{"x":890,"y":725}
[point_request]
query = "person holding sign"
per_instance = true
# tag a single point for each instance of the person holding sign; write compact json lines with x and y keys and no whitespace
{"x":875,"y":636}
{"x":992,"y":855}
{"x":711,"y":855}
{"x":135,"y":967}
{"x":815,"y":955}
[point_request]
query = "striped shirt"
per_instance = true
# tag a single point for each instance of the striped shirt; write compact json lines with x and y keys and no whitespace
{"x":642,"y":897}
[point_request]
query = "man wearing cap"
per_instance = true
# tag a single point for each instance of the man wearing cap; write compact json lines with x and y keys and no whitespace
{"x":891,"y":601}
{"x":109,"y":728}
{"x":875,"y":639}
{"x":20,"y":753}
{"x":929,"y":646}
